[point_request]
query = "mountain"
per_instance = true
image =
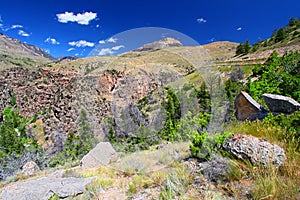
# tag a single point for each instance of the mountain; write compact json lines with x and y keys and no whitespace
{"x":137,"y":100}
{"x":161,"y":44}
{"x":14,"y":53}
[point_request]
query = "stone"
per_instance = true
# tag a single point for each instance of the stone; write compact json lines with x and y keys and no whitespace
{"x":44,"y":188}
{"x":281,"y":104}
{"x":215,"y":169}
{"x":101,"y":155}
{"x":255,"y":150}
{"x":30,"y":168}
{"x":246,"y":108}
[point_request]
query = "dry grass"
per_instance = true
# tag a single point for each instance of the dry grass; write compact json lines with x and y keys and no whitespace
{"x":272,"y":182}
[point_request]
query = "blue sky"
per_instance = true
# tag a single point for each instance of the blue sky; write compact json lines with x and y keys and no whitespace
{"x":78,"y":27}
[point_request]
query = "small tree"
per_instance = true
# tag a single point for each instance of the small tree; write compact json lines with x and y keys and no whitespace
{"x":243,"y":48}
{"x":85,"y":133}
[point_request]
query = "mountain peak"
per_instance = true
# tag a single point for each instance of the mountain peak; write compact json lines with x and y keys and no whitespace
{"x":161,"y":44}
{"x":16,"y":48}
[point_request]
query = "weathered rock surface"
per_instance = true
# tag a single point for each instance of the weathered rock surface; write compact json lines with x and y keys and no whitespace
{"x":215,"y":169}
{"x":255,"y":150}
{"x":30,"y":168}
{"x":44,"y":188}
{"x":161,"y":44}
{"x":281,"y":104}
{"x":101,"y":155}
{"x":246,"y":108}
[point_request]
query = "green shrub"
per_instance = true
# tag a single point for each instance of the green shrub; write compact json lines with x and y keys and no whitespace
{"x":204,"y":144}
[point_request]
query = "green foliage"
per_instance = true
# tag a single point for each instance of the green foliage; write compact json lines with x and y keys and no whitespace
{"x":13,"y":138}
{"x":173,"y":110}
{"x":112,"y":71}
{"x":190,"y":124}
{"x":284,"y":35}
{"x":77,"y":145}
{"x":243,"y":48}
{"x":142,"y":139}
{"x":85,"y":133}
{"x":203,"y":97}
{"x":279,"y":75}
{"x":290,"y":123}
{"x":204,"y":144}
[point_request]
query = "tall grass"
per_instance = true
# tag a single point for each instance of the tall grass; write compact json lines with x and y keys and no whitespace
{"x":274,"y":182}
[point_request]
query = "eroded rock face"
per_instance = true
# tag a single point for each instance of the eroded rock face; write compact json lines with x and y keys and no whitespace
{"x":101,"y":155}
{"x":281,"y":104}
{"x":255,"y":150}
{"x":215,"y":169}
{"x":161,"y":44}
{"x":30,"y":168}
{"x":44,"y":188}
{"x":246,"y":108}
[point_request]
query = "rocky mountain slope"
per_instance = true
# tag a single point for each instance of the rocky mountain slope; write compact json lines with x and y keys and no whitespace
{"x":103,"y":86}
{"x":121,"y":95}
{"x":161,"y":44}
{"x":14,"y":53}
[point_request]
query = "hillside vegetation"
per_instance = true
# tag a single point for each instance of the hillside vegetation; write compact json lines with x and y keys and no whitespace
{"x":166,"y":111}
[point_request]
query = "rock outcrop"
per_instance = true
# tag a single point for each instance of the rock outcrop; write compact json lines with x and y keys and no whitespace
{"x":44,"y":188}
{"x":101,"y":155}
{"x":161,"y":44}
{"x":255,"y":150}
{"x":215,"y":169}
{"x":30,"y":168}
{"x":246,"y":108}
{"x":281,"y":104}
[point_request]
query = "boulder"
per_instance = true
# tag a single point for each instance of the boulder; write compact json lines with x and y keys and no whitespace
{"x":255,"y":150}
{"x":281,"y":104}
{"x":215,"y":169}
{"x":246,"y":108}
{"x":44,"y":188}
{"x":101,"y":155}
{"x":30,"y":168}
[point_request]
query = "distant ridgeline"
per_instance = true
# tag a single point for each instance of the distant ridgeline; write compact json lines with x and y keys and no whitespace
{"x":287,"y":35}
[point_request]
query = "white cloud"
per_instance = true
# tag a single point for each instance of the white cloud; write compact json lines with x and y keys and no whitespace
{"x":102,"y":42}
{"x":239,"y":29}
{"x":71,"y":49}
{"x":83,"y":18}
{"x":16,"y":26}
{"x":23,"y":33}
{"x":110,"y":51}
{"x":201,"y":20}
{"x":112,"y":40}
{"x":82,"y":43}
{"x":97,"y":26}
{"x":51,"y":40}
{"x":116,"y":48}
{"x":105,"y":52}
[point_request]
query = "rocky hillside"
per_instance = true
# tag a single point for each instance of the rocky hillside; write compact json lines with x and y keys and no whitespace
{"x":161,"y":44}
{"x":103,"y":86}
{"x":14,"y":53}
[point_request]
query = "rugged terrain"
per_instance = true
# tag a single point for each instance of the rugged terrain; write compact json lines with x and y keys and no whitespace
{"x":104,"y":86}
{"x":127,"y":94}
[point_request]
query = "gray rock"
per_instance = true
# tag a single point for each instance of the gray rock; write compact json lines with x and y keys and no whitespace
{"x":215,"y":169}
{"x":30,"y":168}
{"x":101,"y":155}
{"x":255,"y":150}
{"x":281,"y":104}
{"x":44,"y":188}
{"x":161,"y":44}
{"x":246,"y":108}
